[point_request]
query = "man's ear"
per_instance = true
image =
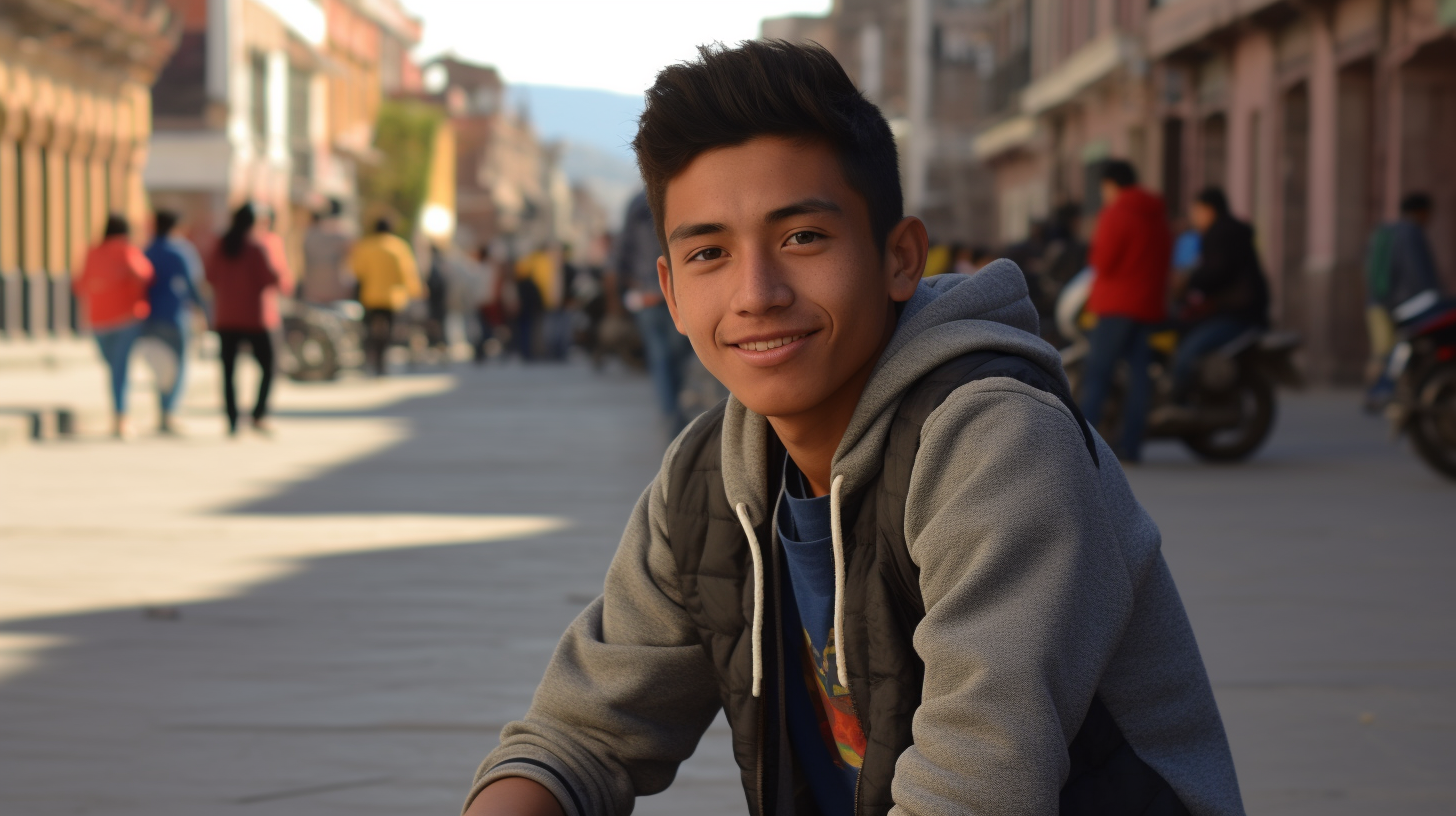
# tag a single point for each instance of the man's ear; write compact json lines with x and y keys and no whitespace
{"x":664,"y":279}
{"x":906,"y":249}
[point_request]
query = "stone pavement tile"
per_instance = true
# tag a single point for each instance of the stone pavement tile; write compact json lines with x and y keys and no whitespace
{"x":360,"y":643}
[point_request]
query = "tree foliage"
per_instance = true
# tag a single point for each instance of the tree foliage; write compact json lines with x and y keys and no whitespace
{"x":395,"y":186}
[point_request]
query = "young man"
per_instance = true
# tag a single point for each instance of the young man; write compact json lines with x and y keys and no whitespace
{"x":895,"y":558}
{"x":1130,"y":252}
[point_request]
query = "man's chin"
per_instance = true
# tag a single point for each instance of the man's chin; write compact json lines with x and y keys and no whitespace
{"x":772,"y":400}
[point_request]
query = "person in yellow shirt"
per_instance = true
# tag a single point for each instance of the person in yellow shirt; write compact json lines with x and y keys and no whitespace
{"x":388,"y":280}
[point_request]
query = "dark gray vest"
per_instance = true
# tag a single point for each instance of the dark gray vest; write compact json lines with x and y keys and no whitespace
{"x":882,"y":608}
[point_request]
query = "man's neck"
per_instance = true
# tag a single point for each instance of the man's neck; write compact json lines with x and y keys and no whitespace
{"x":811,"y":437}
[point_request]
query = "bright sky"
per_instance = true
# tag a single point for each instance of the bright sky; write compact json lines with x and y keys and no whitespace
{"x":614,"y":45}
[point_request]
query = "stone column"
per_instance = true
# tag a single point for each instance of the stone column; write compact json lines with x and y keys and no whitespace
{"x":1320,"y":243}
{"x":11,"y":119}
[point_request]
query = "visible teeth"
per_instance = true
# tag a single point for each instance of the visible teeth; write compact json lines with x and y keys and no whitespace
{"x":765,"y":345}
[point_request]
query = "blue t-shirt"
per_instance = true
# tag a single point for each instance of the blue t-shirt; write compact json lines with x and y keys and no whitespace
{"x":1186,"y":250}
{"x":175,"y":268}
{"x":823,"y":728}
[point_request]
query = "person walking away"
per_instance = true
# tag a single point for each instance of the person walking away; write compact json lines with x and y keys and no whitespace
{"x":1402,"y":285}
{"x":531,"y":304}
{"x":488,"y":311}
{"x":113,"y":284}
{"x":326,"y":245}
{"x":388,"y":280}
{"x":1130,"y":252}
{"x":245,"y":283}
{"x":437,"y":299}
{"x":1226,"y":291}
{"x":633,"y":273}
{"x":171,"y":298}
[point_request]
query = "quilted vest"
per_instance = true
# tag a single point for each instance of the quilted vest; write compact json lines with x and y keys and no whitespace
{"x":883,"y":606}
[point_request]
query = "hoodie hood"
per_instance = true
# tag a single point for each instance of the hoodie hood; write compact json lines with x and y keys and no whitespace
{"x":947,"y":317}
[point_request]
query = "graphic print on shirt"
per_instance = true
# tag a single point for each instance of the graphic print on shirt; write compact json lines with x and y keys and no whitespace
{"x":837,"y":724}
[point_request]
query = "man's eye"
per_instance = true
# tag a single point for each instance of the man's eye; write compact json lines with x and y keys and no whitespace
{"x":709,"y":254}
{"x":806,"y":237}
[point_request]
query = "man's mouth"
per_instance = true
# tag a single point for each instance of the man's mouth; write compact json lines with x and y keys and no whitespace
{"x":765,"y":345}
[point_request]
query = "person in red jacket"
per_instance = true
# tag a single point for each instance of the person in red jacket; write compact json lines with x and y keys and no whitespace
{"x":1130,"y":254}
{"x":113,"y":284}
{"x":245,"y":284}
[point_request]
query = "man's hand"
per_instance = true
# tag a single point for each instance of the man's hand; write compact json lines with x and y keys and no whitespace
{"x":515,"y":796}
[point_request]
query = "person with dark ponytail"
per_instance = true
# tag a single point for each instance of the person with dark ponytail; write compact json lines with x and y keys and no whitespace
{"x":113,"y":284}
{"x":245,"y":286}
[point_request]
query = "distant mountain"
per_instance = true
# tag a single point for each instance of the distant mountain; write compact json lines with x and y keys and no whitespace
{"x":601,"y":119}
{"x":596,"y":129}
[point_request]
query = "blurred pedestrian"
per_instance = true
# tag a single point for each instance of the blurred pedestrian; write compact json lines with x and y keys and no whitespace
{"x":1130,"y":252}
{"x":531,"y":304}
{"x":634,"y":274}
{"x":437,"y":298}
{"x":1402,"y":285}
{"x":1226,"y":291}
{"x":113,"y":285}
{"x":172,"y":296}
{"x":496,"y":306}
{"x":388,"y":281}
{"x":326,"y":244}
{"x":246,"y":281}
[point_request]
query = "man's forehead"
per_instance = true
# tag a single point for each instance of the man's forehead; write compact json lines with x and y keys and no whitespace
{"x":755,"y":179}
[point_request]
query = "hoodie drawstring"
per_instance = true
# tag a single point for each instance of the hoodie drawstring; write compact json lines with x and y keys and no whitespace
{"x":838,"y":539}
{"x":837,"y":536}
{"x":757,"y":553}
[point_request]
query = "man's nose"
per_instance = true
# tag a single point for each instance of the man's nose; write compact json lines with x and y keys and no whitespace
{"x":761,"y":284}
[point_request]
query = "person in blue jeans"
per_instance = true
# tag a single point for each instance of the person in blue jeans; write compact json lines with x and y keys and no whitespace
{"x":634,"y":273}
{"x":172,"y":295}
{"x":1226,"y":291}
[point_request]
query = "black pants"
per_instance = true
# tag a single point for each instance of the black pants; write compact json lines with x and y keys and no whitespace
{"x":378,"y":331}
{"x":261,"y":344}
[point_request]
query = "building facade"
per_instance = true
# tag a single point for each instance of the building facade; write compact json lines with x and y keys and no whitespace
{"x":273,"y":102}
{"x":923,"y":63}
{"x":75,"y":115}
{"x":1316,"y":118}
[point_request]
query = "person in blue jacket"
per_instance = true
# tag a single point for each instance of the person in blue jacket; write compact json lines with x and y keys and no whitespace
{"x":172,"y":295}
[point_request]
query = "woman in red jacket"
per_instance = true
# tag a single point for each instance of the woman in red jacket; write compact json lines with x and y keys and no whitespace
{"x":245,"y":286}
{"x":113,"y":284}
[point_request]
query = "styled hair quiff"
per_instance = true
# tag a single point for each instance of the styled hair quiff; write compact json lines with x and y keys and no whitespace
{"x":729,"y":96}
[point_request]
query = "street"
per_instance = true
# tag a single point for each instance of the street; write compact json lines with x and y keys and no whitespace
{"x":338,"y":620}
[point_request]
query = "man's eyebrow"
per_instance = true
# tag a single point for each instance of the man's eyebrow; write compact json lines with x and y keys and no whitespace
{"x":687,"y":231}
{"x":808,"y":205}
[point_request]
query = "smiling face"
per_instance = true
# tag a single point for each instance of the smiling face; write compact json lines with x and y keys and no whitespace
{"x":776,"y":278}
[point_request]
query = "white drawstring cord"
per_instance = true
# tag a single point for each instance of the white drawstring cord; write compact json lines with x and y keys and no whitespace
{"x":757,"y":596}
{"x":838,"y":538}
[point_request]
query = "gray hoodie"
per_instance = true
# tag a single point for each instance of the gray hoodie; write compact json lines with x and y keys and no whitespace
{"x":1042,"y":579}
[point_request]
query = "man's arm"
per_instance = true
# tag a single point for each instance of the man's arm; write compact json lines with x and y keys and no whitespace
{"x":628,"y":693}
{"x":1026,"y":595}
{"x":1107,"y":243}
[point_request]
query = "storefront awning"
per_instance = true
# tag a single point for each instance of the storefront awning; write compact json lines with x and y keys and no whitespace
{"x":1003,"y":137}
{"x":1089,"y":65}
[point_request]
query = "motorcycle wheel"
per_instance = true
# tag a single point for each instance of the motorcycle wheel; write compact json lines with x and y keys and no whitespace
{"x":1254,"y":398}
{"x":315,"y":358}
{"x":1433,"y":427}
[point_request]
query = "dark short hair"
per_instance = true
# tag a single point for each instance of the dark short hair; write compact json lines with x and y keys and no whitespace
{"x":729,"y":96}
{"x":1214,"y":199}
{"x":382,"y":225}
{"x":1416,"y":203}
{"x":116,"y":224}
{"x":166,"y":221}
{"x":1119,"y":172}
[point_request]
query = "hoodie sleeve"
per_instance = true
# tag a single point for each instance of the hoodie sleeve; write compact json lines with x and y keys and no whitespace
{"x":1026,"y":594}
{"x":629,"y":691}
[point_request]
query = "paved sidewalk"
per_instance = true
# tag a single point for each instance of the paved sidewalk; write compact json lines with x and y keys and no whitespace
{"x":339,"y":619}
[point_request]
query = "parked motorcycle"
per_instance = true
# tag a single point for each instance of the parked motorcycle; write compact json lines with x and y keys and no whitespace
{"x":320,"y":341}
{"x":1423,"y":366}
{"x":1231,"y":409}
